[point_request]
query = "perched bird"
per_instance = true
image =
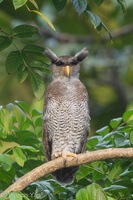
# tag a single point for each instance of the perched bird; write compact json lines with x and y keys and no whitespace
{"x":66,"y":120}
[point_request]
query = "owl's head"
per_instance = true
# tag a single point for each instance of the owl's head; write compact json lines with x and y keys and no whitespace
{"x":66,"y":65}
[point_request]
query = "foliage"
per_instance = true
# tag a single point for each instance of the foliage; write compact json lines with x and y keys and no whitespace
{"x":81,"y":6}
{"x":109,"y":179}
{"x":20,"y":60}
{"x":107,"y":74}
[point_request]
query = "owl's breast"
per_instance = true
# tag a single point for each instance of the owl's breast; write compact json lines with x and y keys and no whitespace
{"x":66,"y":110}
{"x":67,"y":89}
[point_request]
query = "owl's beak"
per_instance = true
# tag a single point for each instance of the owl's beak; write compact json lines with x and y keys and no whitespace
{"x":67,"y":70}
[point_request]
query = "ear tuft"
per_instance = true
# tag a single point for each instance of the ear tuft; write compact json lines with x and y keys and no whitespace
{"x":51,"y":55}
{"x":81,"y":55}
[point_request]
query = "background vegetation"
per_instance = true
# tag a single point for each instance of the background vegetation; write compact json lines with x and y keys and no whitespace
{"x":107,"y":74}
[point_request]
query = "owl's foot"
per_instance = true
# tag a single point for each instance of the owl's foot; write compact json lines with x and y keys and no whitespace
{"x":57,"y":155}
{"x":65,"y":154}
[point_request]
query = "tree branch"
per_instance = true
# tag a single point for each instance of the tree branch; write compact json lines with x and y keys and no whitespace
{"x":65,"y":37}
{"x":58,"y":163}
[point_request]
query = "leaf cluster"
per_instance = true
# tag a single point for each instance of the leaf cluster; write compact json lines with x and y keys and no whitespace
{"x":83,"y":6}
{"x":28,"y":61}
{"x":109,"y":179}
{"x":80,"y":6}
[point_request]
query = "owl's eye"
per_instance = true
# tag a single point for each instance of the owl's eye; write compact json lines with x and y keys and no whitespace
{"x":74,"y":62}
{"x":59,"y":63}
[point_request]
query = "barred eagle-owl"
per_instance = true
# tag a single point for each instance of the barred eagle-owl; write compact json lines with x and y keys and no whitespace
{"x":66,"y":120}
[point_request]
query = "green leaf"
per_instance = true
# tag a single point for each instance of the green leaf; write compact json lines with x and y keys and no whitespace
{"x":25,"y":31}
{"x":124,"y":128}
{"x":23,"y":105}
{"x":115,"y":171}
{"x":33,"y":49}
{"x":26,"y":198}
{"x":98,"y":2}
{"x":22,"y":73}
{"x":3,"y":198}
{"x":36,"y":113}
{"x":2,"y":135}
{"x":83,"y":172}
{"x":18,"y":3}
{"x":104,"y":145}
{"x":45,"y":18}
{"x":15,"y":196}
{"x":9,"y":110}
{"x":7,"y":117}
{"x":122,"y":4}
{"x":127,"y":115}
{"x":95,"y":192}
{"x":93,"y":141}
{"x":95,"y":20}
{"x":27,"y":138}
{"x":20,"y":115}
{"x":97,"y":175}
{"x":6,"y":178}
{"x":34,"y":3}
{"x":79,"y":5}
{"x":59,"y":4}
{"x":38,"y":122}
{"x":6,"y":161}
{"x":103,"y":131}
{"x":131,"y":136}
{"x":115,"y":122}
{"x":105,"y":27}
{"x":19,"y":156}
{"x":115,"y":188}
{"x":96,"y":164}
{"x":4,"y":42}
{"x":121,"y":142}
{"x":82,"y":194}
{"x":37,"y":85}
{"x":30,"y":148}
{"x":110,"y":135}
{"x":110,"y":198}
{"x":59,"y":189}
{"x":41,"y":66}
{"x":13,"y":61}
{"x":1,"y":1}
{"x":100,"y":194}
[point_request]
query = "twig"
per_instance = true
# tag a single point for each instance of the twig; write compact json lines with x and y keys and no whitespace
{"x":81,"y":159}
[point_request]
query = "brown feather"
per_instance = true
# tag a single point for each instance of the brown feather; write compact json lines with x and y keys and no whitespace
{"x":66,"y":120}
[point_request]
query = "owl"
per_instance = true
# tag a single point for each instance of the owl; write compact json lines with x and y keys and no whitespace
{"x":66,"y":119}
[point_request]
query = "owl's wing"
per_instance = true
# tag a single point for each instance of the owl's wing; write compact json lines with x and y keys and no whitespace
{"x":46,"y":142}
{"x":84,"y":142}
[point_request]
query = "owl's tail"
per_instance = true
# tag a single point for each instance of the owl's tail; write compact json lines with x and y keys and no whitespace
{"x":65,"y":175}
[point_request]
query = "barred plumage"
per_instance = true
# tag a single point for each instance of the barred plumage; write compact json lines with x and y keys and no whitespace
{"x":66,"y":119}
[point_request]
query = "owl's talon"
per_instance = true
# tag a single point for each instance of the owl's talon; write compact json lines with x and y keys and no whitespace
{"x":57,"y":155}
{"x":64,"y":155}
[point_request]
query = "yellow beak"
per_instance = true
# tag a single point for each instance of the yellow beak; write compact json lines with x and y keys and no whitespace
{"x":67,"y":70}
